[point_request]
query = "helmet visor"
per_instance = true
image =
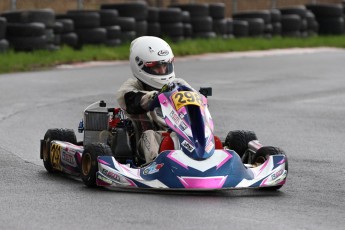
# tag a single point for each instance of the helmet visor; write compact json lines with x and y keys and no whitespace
{"x":158,"y":68}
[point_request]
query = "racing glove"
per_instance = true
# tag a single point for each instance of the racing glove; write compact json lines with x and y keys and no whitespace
{"x":147,"y":99}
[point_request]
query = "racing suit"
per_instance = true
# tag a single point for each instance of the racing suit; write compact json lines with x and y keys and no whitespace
{"x":135,"y":98}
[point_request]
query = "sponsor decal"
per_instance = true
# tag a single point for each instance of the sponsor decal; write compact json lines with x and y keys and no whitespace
{"x":55,"y":156}
{"x":68,"y":158}
{"x":153,"y":168}
{"x":102,"y":178}
{"x":209,"y":147}
{"x":183,"y":126}
{"x":187,"y":146}
{"x":111,"y":175}
{"x":163,"y":53}
{"x":277,"y":174}
{"x":175,"y":117}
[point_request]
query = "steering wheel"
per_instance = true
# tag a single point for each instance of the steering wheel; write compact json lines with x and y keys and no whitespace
{"x":155,"y":106}
{"x":157,"y":119}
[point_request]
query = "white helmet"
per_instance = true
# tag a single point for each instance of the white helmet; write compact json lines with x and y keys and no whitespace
{"x":147,"y":54}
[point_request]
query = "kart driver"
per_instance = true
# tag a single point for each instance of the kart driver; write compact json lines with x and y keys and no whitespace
{"x":151,"y":61}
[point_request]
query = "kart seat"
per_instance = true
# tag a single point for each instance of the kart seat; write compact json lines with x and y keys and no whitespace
{"x":167,"y":143}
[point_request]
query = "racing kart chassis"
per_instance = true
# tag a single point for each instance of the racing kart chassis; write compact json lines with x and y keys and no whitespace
{"x":108,"y":155}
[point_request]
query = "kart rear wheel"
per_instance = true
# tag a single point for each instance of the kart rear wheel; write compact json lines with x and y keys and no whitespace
{"x":67,"y":135}
{"x":262,"y":155}
{"x":89,"y":164}
{"x":238,"y":140}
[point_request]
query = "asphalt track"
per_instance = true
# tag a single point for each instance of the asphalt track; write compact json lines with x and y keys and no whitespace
{"x":294,"y":100}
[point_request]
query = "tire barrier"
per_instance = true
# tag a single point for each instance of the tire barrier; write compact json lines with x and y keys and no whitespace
{"x":153,"y":25}
{"x":330,"y":17}
{"x":308,"y":24}
{"x":31,"y":30}
{"x":3,"y":42}
{"x":136,"y":10}
{"x":259,"y":22}
{"x":114,"y":24}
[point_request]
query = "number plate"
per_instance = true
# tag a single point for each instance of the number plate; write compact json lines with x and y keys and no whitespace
{"x":183,"y":98}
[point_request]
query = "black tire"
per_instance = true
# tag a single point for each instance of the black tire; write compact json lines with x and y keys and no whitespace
{"x":326,"y":10}
{"x":128,"y":36}
{"x":170,"y":15}
{"x":299,"y":10}
{"x":262,"y":155}
{"x":67,"y":25}
{"x":241,"y":28}
{"x":89,"y":164}
{"x":291,"y":23}
{"x":229,"y":26}
{"x":4,"y":45}
{"x":263,"y":14}
{"x":35,"y":29}
{"x":331,"y":25}
{"x":204,"y":35}
{"x":275,"y":15}
{"x":58,"y":27}
{"x":137,"y":10}
{"x":108,"y":17}
{"x":256,"y":26}
{"x":126,"y":23}
{"x":67,"y":135}
{"x":28,"y":43}
{"x":152,"y":14}
{"x":45,"y":16}
{"x":140,"y":28}
{"x":238,"y":140}
{"x":185,"y":17}
{"x":92,"y":36}
{"x":113,"y":32}
{"x":217,"y":10}
{"x":3,"y":24}
{"x":276,"y":29}
{"x":172,"y":29}
{"x":154,"y":29}
{"x":70,"y":39}
{"x":83,"y":19}
{"x":195,"y":10}
{"x":202,"y":24}
{"x":220,"y":26}
{"x":187,"y":30}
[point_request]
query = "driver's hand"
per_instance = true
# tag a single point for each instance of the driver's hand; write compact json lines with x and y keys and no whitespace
{"x":147,"y":99}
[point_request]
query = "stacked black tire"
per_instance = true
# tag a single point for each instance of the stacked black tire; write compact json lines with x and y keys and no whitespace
{"x":153,"y":26}
{"x":31,"y":30}
{"x":223,"y":27}
{"x":132,"y":20}
{"x":3,"y":42}
{"x":64,"y":29}
{"x":259,"y":23}
{"x":200,"y":19}
{"x":298,"y":21}
{"x":87,"y":25}
{"x":330,"y":18}
{"x":276,"y":22}
{"x":109,"y":21}
{"x":171,"y":23}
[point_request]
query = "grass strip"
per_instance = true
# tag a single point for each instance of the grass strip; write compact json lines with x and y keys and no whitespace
{"x":27,"y":61}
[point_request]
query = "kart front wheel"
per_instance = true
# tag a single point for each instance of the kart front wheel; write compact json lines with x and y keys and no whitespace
{"x":238,"y":140}
{"x":262,"y":155}
{"x":67,"y":135}
{"x":89,"y":163}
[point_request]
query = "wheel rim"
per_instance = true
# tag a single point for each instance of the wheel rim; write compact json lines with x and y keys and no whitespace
{"x":260,"y":160}
{"x":86,"y":164}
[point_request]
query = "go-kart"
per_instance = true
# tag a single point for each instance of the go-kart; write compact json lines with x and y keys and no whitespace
{"x":191,"y":157}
